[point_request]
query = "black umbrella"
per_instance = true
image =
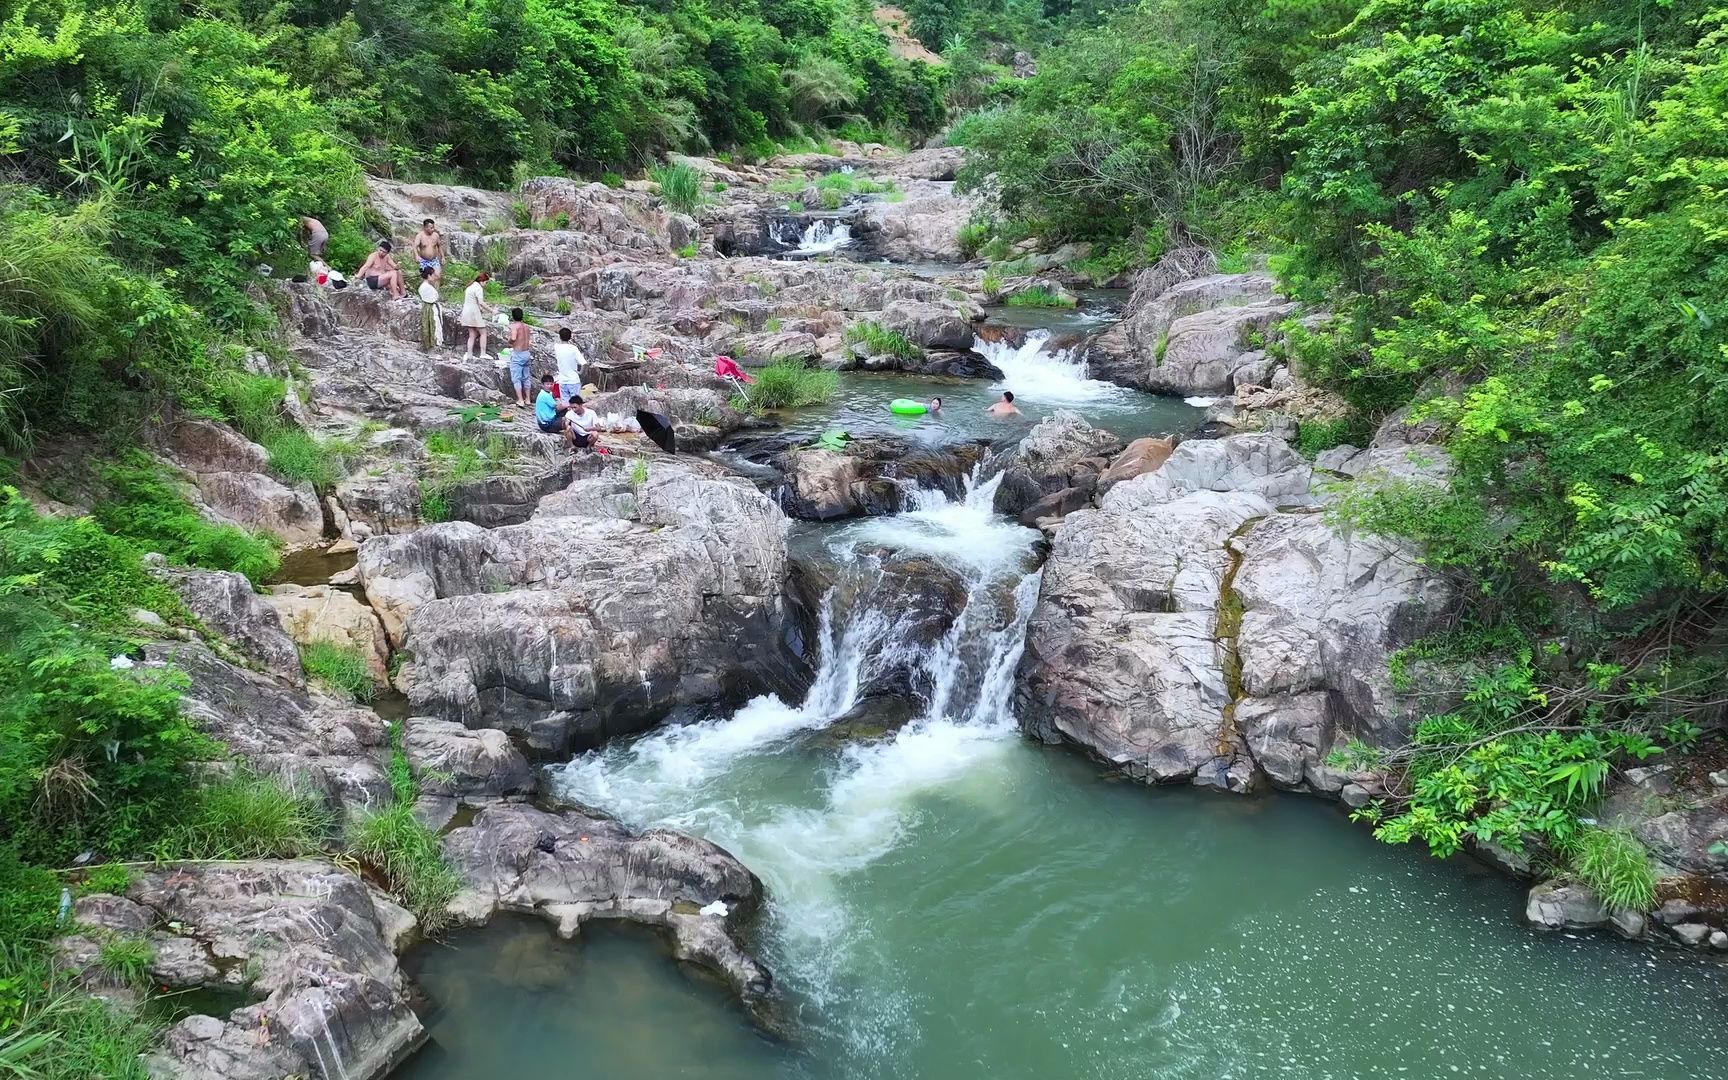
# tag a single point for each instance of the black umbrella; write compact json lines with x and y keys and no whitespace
{"x":658,"y":427}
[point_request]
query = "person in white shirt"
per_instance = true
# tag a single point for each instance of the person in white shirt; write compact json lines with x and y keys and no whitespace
{"x":570,"y":361}
{"x":579,"y":423}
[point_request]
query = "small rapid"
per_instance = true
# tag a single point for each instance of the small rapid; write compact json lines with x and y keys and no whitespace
{"x":1039,"y":373}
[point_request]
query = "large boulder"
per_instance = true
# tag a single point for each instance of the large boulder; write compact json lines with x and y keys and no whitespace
{"x":229,"y":485}
{"x":1187,"y":631}
{"x":328,"y":747}
{"x":450,"y":760}
{"x":566,"y":630}
{"x":1122,"y":654}
{"x":568,"y":868}
{"x":1062,"y":453}
{"x":323,"y":613}
{"x":931,"y":325}
{"x":226,"y":603}
{"x":310,"y":946}
{"x":924,"y":226}
{"x":1190,"y":337}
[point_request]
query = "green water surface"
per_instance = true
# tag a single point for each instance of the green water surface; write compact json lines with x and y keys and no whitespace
{"x":980,"y":908}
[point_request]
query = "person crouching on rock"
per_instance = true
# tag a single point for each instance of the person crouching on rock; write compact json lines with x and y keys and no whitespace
{"x":550,"y":413}
{"x":579,"y":424}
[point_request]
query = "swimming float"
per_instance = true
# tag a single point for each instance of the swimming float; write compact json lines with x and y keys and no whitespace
{"x":908,"y":407}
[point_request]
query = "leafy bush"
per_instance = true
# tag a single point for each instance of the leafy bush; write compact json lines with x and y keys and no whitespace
{"x":791,"y":384}
{"x":1313,"y":436}
{"x":881,"y":341}
{"x":341,"y":668}
{"x":1040,"y":296}
{"x":680,"y":186}
{"x":972,"y":236}
{"x":143,"y":505}
{"x":52,"y":1029}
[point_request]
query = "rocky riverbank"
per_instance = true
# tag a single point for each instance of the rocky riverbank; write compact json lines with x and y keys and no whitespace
{"x":1200,"y":620}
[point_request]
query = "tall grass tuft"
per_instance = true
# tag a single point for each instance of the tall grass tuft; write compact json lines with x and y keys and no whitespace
{"x":406,"y":854}
{"x":791,"y":384}
{"x":56,"y":1031}
{"x":1614,"y":865}
{"x":882,"y":341}
{"x":680,"y":186}
{"x":248,"y":816}
{"x":1039,"y":296}
{"x":341,"y":668}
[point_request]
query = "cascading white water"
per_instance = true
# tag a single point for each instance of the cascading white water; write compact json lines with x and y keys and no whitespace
{"x":824,"y":236}
{"x":803,"y":817}
{"x":1044,"y":375}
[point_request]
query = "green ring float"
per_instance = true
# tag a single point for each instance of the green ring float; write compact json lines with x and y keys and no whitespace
{"x":907,"y":407}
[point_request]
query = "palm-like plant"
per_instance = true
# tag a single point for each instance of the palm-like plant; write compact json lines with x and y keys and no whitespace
{"x":819,"y":86}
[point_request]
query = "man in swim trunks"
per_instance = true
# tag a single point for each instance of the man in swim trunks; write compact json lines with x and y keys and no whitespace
{"x":429,"y":251}
{"x":380,"y":271}
{"x":1005,"y":407}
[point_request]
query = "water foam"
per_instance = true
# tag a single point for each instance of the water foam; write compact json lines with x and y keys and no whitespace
{"x":1038,"y":373}
{"x":822,"y":236}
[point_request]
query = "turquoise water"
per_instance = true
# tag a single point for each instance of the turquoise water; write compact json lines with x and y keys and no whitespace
{"x":1031,"y":921}
{"x":952,"y":902}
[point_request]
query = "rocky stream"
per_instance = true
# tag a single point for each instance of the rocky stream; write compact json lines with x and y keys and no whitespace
{"x":832,"y":761}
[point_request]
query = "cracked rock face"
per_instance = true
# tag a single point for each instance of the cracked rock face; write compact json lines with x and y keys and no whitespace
{"x":1188,"y":631}
{"x":311,"y":946}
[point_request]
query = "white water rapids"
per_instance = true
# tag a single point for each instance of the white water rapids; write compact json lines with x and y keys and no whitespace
{"x":727,"y":778}
{"x":1055,"y":377}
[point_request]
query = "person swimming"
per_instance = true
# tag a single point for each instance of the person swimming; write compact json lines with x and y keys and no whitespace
{"x":935,"y":404}
{"x":1005,"y":407}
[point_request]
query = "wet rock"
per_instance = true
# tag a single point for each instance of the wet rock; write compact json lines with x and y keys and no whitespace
{"x":1628,"y":924}
{"x":226,"y":603}
{"x":872,"y":476}
{"x":1061,"y":453}
{"x":312,"y":613}
{"x":333,"y":749}
{"x":1190,"y":336}
{"x":1691,"y":934}
{"x":451,"y":760}
{"x":598,"y":869}
{"x":1553,"y":905}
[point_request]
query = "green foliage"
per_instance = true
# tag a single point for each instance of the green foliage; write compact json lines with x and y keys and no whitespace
{"x":881,"y":341}
{"x":300,"y":457}
{"x":833,"y":439}
{"x":402,"y":850}
{"x":1313,"y":436}
{"x":143,"y":505}
{"x":520,"y":216}
{"x":791,"y":384}
{"x":1613,"y":865}
{"x":1040,"y":296}
{"x":680,"y":186}
{"x":638,"y":473}
{"x":340,"y":668}
{"x":456,"y":458}
{"x":247,"y":816}
{"x":50,"y":1029}
{"x":612,"y":180}
{"x":972,"y":236}
{"x":111,"y":878}
{"x":688,"y":251}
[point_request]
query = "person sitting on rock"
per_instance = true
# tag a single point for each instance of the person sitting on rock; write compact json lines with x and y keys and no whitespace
{"x":1005,"y":407}
{"x":550,"y":413}
{"x":579,"y":424}
{"x":380,"y":271}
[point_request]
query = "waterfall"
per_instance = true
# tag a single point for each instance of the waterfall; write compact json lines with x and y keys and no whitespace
{"x":1046,"y":376}
{"x":824,"y":236}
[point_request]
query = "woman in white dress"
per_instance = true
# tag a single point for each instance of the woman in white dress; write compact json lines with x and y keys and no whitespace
{"x":474,"y":313}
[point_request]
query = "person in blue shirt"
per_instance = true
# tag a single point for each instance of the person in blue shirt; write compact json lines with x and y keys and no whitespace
{"x":549,"y":411}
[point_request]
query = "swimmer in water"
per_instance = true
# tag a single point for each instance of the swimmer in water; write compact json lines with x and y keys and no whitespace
{"x":935,"y":404}
{"x":1005,"y":407}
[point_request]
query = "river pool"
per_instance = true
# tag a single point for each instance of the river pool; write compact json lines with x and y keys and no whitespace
{"x":952,"y":902}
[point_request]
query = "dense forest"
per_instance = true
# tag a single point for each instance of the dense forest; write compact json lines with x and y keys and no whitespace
{"x":1513,"y":217}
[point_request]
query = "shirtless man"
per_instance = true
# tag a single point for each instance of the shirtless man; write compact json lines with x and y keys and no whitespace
{"x":1005,"y":407}
{"x":317,"y":236}
{"x":429,"y":251}
{"x":380,"y":271}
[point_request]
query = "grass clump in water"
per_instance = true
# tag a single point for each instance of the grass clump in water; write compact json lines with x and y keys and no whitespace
{"x":791,"y":384}
{"x":1040,"y":296}
{"x":882,"y":341}
{"x":341,"y":668}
